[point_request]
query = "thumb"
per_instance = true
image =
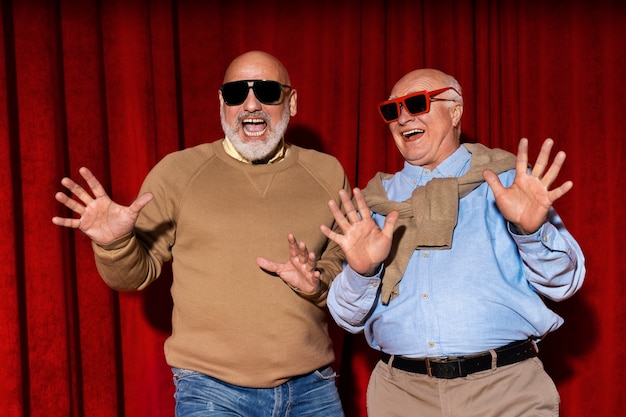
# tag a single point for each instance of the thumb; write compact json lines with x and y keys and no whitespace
{"x":390,"y":223}
{"x":140,"y":202}
{"x":266,"y":264}
{"x":493,"y":181}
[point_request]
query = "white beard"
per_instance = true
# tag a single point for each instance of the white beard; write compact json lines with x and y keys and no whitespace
{"x":256,"y":150}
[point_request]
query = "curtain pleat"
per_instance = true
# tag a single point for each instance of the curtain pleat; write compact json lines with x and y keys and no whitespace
{"x":116,"y":85}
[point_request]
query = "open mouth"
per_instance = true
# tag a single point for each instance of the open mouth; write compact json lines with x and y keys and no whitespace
{"x":411,"y":133}
{"x":254,"y":126}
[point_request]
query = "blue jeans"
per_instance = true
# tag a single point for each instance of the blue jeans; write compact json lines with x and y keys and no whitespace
{"x":311,"y":395}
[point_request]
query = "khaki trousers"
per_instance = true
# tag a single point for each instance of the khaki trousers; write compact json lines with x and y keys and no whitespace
{"x":523,"y":389}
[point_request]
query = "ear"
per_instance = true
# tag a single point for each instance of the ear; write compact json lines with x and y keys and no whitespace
{"x":457,"y":113}
{"x":219,"y":96}
{"x":293,"y":103}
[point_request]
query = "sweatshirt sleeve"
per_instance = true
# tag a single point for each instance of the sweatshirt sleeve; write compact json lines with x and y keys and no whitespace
{"x":126,"y":264}
{"x":331,"y":260}
{"x":134,"y":261}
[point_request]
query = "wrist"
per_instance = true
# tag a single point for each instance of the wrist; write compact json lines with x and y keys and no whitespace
{"x":519,"y":230}
{"x":371,"y":271}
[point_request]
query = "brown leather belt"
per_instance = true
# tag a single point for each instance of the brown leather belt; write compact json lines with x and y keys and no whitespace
{"x":460,"y":366}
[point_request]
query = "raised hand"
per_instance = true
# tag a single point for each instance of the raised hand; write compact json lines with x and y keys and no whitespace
{"x":364,"y":244}
{"x":100,"y":218}
{"x":299,"y":271}
{"x":527,"y":201}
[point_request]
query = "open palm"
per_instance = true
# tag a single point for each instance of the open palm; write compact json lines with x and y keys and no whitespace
{"x":100,"y":218}
{"x":364,"y":244}
{"x":527,"y":201}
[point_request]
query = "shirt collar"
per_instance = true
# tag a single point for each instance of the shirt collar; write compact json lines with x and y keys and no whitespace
{"x":453,"y":166}
{"x":230,"y":149}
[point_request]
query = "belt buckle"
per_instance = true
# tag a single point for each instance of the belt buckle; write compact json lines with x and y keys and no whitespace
{"x":447,"y":368}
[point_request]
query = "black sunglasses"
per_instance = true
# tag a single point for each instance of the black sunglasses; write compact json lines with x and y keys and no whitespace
{"x":267,"y":92}
{"x":414,"y":103}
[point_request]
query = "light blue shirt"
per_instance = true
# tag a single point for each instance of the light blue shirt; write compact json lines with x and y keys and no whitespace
{"x":484,"y":292}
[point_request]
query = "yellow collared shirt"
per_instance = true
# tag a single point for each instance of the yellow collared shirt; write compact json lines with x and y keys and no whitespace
{"x":231,"y":151}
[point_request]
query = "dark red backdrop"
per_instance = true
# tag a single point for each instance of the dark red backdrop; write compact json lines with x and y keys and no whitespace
{"x":116,"y":85}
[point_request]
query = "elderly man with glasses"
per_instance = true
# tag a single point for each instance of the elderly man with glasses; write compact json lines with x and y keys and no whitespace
{"x":449,"y":260}
{"x":244,"y":342}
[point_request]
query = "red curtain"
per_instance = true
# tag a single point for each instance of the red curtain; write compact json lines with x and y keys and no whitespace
{"x":116,"y":85}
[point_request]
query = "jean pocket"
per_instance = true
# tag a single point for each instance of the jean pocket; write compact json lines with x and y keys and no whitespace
{"x":326,"y":373}
{"x":180,"y":373}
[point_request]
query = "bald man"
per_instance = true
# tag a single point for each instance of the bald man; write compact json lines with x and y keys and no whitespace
{"x":449,"y":261}
{"x":249,"y":336}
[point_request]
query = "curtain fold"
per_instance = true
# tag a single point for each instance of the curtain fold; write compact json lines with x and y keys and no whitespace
{"x":116,"y":85}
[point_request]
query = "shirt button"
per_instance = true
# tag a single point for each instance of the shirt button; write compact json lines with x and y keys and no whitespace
{"x":425,"y":255}
{"x":431,"y":344}
{"x":425,"y":296}
{"x":374,"y":284}
{"x":426,"y":172}
{"x":545,"y":239}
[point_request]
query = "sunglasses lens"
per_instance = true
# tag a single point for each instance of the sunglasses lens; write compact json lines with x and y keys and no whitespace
{"x":416,"y":104}
{"x":389,"y":111}
{"x":235,"y":93}
{"x":267,"y":92}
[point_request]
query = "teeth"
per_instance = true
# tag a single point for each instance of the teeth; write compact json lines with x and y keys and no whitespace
{"x":253,"y":125}
{"x":250,"y":126}
{"x":255,"y":121}
{"x":410,"y":133}
{"x":254,"y":134}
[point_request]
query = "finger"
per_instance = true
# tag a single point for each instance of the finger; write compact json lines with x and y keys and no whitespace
{"x":140,"y":202}
{"x":311,"y":262}
{"x":92,"y":181}
{"x":555,"y":168}
{"x":351,"y":212}
{"x":390,"y":223}
{"x":341,"y":220}
{"x":364,"y":210}
{"x":66,"y":222}
{"x":543,"y":158}
{"x":521,"y":164}
{"x":70,"y":203}
{"x":267,"y":265}
{"x":560,"y":191}
{"x":303,"y":253}
{"x":293,"y":245}
{"x":297,"y":250}
{"x":332,"y":235}
{"x":77,"y":190}
{"x":493,"y":181}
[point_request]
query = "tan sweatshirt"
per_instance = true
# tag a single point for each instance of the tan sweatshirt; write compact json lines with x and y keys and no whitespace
{"x":212,"y":216}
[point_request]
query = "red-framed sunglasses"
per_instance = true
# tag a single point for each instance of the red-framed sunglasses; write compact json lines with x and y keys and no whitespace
{"x":414,"y":103}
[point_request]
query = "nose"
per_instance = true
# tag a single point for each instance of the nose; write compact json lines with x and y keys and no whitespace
{"x":252,"y":103}
{"x":404,"y":116}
